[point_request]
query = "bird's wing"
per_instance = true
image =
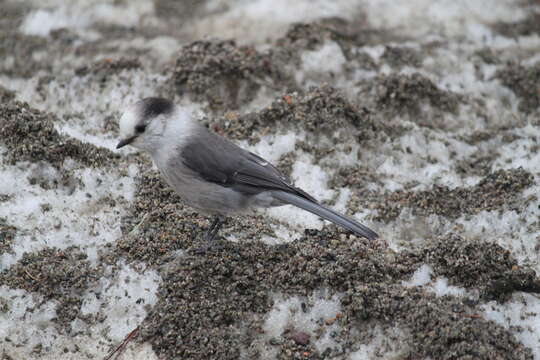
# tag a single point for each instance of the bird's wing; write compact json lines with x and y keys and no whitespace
{"x":217,"y":160}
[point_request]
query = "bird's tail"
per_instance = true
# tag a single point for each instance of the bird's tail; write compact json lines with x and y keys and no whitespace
{"x":326,"y":213}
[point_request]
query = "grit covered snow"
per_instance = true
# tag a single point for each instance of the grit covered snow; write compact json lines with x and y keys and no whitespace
{"x":420,"y":119}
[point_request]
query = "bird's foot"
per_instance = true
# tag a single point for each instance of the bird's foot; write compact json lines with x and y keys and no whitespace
{"x":210,"y":237}
{"x":207,"y":247}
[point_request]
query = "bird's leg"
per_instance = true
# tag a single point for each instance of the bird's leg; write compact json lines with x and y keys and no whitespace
{"x":210,"y":235}
{"x":214,"y":228}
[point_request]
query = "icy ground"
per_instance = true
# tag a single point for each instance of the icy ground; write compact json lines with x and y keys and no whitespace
{"x":419,"y":118}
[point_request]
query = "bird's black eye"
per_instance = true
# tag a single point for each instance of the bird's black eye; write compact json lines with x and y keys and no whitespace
{"x":140,"y":128}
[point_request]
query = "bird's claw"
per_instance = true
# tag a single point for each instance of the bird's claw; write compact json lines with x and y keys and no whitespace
{"x":208,"y":246}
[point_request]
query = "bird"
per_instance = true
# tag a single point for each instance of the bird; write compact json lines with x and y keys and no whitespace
{"x":209,"y":172}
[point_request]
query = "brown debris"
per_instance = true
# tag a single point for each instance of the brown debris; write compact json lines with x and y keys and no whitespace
{"x":106,"y":67}
{"x":300,"y":337}
{"x":29,"y":135}
{"x":526,"y":27}
{"x":224,"y":74}
{"x":61,"y":275}
{"x":190,"y":307}
{"x":408,"y":92}
{"x":524,"y":82}
{"x":495,"y":191}
{"x":320,"y":110}
{"x":7,"y":233}
{"x":484,"y":266}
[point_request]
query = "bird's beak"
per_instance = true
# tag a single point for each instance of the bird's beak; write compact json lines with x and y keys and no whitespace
{"x":125,"y":142}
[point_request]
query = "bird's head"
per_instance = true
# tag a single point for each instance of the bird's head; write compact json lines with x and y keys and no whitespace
{"x":143,"y":123}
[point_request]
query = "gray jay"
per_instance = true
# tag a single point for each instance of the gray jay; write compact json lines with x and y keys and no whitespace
{"x":210,"y":173}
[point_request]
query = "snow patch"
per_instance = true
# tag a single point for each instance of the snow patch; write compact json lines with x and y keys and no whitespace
{"x":28,"y":322}
{"x":270,"y":17}
{"x":85,"y":213}
{"x":449,"y":17}
{"x":318,"y":319}
{"x":423,"y":277}
{"x":321,"y":64}
{"x":79,"y":15}
{"x":272,"y":147}
{"x":385,"y":344}
{"x":41,"y":22}
{"x":121,"y":302}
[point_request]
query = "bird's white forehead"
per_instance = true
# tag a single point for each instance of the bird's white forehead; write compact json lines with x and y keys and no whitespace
{"x":129,"y":119}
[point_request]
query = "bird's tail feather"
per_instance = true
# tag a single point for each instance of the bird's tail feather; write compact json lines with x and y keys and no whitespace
{"x":326,"y":213}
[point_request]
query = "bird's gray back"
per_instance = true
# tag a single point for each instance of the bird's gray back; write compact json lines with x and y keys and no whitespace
{"x":217,"y":160}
